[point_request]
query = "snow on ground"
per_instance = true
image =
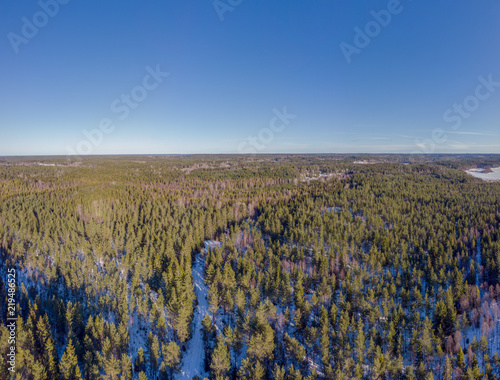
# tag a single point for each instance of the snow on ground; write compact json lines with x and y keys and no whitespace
{"x":192,"y":362}
{"x":138,"y":336}
{"x":212,"y":244}
{"x":494,"y":175}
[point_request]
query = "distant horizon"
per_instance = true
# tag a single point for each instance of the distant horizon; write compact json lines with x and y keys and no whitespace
{"x":252,"y":154}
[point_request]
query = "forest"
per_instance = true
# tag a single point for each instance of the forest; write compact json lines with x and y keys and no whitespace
{"x":285,"y":267}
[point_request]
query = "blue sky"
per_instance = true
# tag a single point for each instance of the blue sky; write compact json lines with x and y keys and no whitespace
{"x":373,"y":76}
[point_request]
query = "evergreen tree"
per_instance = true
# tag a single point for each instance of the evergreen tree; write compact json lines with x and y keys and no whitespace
{"x":126,"y":368}
{"x":448,"y":370}
{"x":140,"y":361}
{"x":171,"y":357}
{"x":69,"y":363}
{"x":460,"y":359}
{"x":221,"y":363}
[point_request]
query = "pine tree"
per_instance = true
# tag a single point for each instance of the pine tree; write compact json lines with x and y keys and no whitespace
{"x":261,"y":344}
{"x":258,"y":371}
{"x":474,"y":345}
{"x":171,"y":357}
{"x":469,"y":375}
{"x":339,"y":375}
{"x":209,"y":334}
{"x":182,"y":322}
{"x":410,"y":374}
{"x":360,"y":342}
{"x":474,"y":366}
{"x":448,"y":369}
{"x":422,"y":371}
{"x":221,"y":362}
{"x":48,"y":348}
{"x":154,"y":353}
{"x":483,"y":345}
{"x":126,"y":367}
{"x":69,"y":363}
{"x":111,"y":367}
{"x":278,"y":372}
{"x":378,"y":363}
{"x":39,"y":372}
{"x":75,"y":326}
{"x":140,"y":361}
{"x":460,"y":358}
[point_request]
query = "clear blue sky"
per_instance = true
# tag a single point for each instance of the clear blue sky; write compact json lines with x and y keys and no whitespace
{"x":231,"y":70}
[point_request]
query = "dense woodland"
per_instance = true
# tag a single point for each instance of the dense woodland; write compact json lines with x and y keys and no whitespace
{"x":329,"y":266}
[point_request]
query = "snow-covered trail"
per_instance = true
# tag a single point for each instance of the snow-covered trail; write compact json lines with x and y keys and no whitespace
{"x":192,"y":363}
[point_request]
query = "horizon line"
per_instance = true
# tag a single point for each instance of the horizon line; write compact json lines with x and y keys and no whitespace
{"x":247,"y":154}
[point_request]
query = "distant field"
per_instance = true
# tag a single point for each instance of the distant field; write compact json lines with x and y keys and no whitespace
{"x":492,"y":174}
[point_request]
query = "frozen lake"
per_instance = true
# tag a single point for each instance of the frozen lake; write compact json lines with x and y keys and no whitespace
{"x":493,"y":176}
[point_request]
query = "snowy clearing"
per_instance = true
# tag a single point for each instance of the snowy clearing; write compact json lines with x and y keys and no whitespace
{"x":192,"y":362}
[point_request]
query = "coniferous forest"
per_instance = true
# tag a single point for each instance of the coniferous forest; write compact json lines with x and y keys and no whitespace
{"x":281,"y":267}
